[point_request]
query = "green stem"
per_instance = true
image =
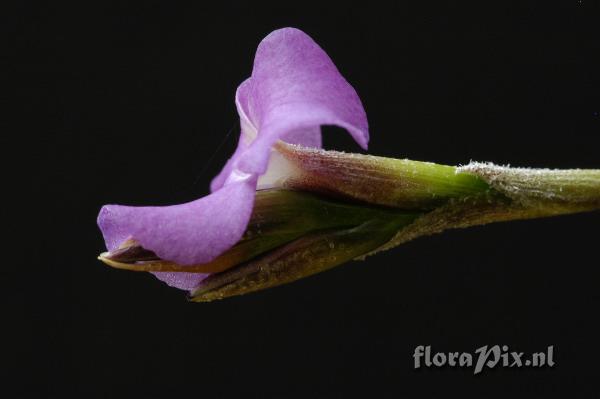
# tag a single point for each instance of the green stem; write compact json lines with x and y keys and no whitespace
{"x":515,"y":193}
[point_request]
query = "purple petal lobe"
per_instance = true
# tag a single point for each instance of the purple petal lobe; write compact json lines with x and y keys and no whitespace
{"x":294,"y":89}
{"x":183,"y":281}
{"x":191,"y":233}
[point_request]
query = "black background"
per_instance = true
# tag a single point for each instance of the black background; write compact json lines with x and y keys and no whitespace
{"x":130,"y":103}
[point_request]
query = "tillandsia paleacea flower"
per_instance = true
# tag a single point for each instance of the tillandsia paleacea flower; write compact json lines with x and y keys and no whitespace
{"x":282,"y":208}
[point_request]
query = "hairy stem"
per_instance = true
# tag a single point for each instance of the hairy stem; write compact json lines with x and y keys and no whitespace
{"x":516,"y":193}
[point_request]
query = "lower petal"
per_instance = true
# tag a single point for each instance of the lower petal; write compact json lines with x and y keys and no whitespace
{"x":183,"y":281}
{"x":190,"y":233}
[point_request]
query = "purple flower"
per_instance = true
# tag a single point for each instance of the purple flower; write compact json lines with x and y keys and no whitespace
{"x":294,"y":89}
{"x":325,"y":208}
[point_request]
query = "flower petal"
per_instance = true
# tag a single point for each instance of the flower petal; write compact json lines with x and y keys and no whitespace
{"x":294,"y":89}
{"x":183,"y":281}
{"x":191,"y":233}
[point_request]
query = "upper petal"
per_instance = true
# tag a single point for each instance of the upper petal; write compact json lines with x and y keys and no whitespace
{"x":294,"y":89}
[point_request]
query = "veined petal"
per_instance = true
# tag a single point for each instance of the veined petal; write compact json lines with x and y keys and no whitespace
{"x":294,"y":89}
